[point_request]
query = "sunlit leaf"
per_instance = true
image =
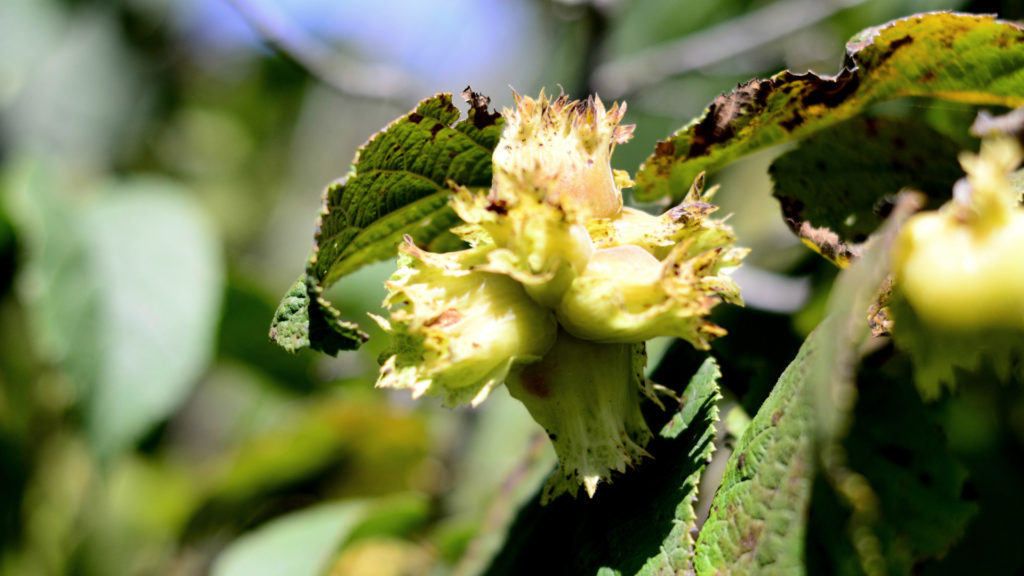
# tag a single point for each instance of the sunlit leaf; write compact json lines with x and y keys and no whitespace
{"x":306,"y":319}
{"x":960,"y":57}
{"x":758,"y":515}
{"x":241,"y":337}
{"x":399,"y":184}
{"x":676,"y":553}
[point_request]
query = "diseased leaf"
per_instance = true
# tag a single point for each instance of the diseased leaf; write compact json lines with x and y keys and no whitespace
{"x":639,"y":523}
{"x":960,"y":57}
{"x":838,"y":185}
{"x":758,"y":515}
{"x":398,"y":185}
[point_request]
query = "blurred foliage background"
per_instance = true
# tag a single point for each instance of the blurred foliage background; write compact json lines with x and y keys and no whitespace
{"x":161,"y":163}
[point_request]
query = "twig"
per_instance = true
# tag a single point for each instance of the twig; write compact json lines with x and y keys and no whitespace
{"x":343,"y":75}
{"x":712,"y":45}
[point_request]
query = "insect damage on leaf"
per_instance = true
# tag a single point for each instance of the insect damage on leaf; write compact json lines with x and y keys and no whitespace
{"x":719,"y":123}
{"x":481,"y":115}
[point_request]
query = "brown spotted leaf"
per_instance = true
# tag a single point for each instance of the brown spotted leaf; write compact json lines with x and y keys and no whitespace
{"x":960,"y":57}
{"x":398,"y":185}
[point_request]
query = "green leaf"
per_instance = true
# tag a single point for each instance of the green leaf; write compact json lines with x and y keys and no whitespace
{"x":837,"y":186}
{"x":96,"y":85}
{"x":306,"y":319}
{"x":676,"y":553}
{"x":960,"y":57}
{"x":374,"y":446}
{"x":640,"y":522}
{"x":842,"y":339}
{"x":124,"y":293}
{"x":758,"y":515}
{"x":162,"y":278}
{"x":305,"y":543}
{"x":57,"y":282}
{"x":399,"y":184}
{"x":750,"y":363}
{"x":241,"y":338}
{"x":505,"y":459}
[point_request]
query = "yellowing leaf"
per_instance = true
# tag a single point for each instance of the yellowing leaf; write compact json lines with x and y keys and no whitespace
{"x":960,"y":57}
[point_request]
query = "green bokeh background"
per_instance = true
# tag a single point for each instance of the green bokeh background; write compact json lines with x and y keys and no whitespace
{"x":161,"y":163}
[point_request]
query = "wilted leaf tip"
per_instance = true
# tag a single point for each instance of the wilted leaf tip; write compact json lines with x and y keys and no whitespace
{"x":480,"y":112}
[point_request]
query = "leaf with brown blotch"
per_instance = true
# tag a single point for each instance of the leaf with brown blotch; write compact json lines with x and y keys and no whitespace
{"x":953,"y":56}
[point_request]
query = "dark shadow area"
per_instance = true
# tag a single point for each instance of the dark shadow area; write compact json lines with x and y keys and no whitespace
{"x":621,"y":527}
